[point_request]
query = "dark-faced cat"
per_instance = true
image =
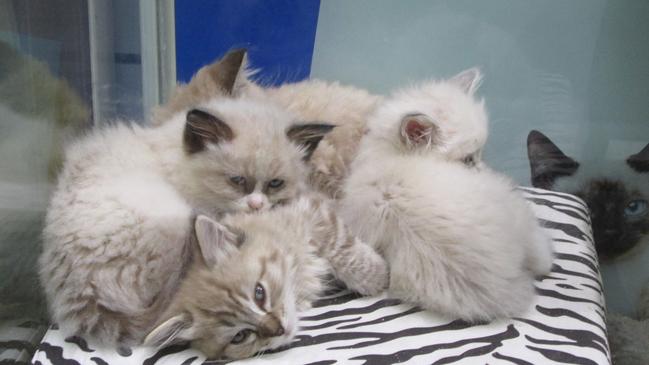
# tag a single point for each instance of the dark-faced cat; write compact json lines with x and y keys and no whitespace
{"x":616,"y":191}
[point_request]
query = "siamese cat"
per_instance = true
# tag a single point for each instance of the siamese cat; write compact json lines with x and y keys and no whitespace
{"x":616,"y":192}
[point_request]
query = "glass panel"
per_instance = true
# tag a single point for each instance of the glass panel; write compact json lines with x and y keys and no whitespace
{"x":64,"y":64}
{"x":45,"y":95}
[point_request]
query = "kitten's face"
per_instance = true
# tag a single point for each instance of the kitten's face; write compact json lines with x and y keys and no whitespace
{"x":240,"y":300}
{"x":619,"y":216}
{"x":616,"y":192}
{"x":440,"y":118}
{"x":255,"y":309}
{"x":246,"y":156}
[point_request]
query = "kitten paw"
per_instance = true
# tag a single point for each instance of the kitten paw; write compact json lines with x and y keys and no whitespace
{"x":374,"y":283}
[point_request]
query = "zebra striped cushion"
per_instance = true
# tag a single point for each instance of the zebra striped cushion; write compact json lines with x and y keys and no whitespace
{"x":564,"y":325}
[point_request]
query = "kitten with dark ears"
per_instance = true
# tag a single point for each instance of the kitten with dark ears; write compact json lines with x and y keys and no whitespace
{"x":252,"y":273}
{"x":113,"y":248}
{"x":616,"y":192}
{"x":345,"y":106}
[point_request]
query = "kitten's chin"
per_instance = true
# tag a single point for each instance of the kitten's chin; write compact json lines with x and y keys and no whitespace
{"x":246,"y":209}
{"x":279,"y":343}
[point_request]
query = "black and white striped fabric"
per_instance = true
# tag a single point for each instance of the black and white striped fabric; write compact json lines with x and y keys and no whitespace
{"x":565,"y":325}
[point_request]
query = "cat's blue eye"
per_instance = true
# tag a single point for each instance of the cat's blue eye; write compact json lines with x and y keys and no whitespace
{"x":240,"y":336}
{"x":276,"y":183}
{"x":260,"y":295}
{"x":636,"y":208}
{"x":238,"y":180}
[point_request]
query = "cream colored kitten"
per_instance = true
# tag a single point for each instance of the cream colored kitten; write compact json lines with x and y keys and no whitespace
{"x":113,"y":247}
{"x":345,"y":106}
{"x":255,"y":271}
{"x":459,"y":239}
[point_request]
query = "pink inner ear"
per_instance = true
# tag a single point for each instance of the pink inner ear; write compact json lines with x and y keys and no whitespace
{"x":416,"y":132}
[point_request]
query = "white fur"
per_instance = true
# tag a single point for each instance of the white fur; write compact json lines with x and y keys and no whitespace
{"x":118,"y":219}
{"x":310,"y":100}
{"x":459,"y":241}
{"x":344,"y":106}
{"x":261,"y":148}
{"x":461,"y":120}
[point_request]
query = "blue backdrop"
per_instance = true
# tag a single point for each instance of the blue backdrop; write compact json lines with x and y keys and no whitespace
{"x":279,"y":35}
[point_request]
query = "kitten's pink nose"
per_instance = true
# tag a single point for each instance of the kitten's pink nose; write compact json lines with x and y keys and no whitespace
{"x":255,"y":202}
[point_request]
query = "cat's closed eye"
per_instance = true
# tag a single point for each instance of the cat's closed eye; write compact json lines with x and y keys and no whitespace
{"x":241,"y":336}
{"x":469,"y":160}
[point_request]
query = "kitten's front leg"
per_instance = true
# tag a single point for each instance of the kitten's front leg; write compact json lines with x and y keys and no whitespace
{"x":353,"y":261}
{"x":360,"y":267}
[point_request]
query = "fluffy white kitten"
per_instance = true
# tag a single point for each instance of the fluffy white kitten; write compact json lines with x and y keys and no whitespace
{"x":114,"y":234}
{"x":459,"y":239}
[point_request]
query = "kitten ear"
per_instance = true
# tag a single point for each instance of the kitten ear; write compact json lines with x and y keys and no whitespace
{"x":547,"y":161}
{"x":417,"y":130}
{"x":215,"y":240}
{"x":228,"y":72}
{"x":640,"y":161}
{"x":226,"y":75}
{"x":202,"y":128}
{"x":307,"y":136}
{"x":468,"y":80}
{"x":176,"y":329}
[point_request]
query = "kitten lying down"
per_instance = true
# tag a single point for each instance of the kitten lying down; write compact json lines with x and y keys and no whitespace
{"x":458,"y":237}
{"x":113,"y":239}
{"x":253,"y":272}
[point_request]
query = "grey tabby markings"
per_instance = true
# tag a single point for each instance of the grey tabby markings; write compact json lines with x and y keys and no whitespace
{"x":251,"y":271}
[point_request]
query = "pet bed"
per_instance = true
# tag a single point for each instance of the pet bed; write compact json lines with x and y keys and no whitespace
{"x":565,"y":324}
